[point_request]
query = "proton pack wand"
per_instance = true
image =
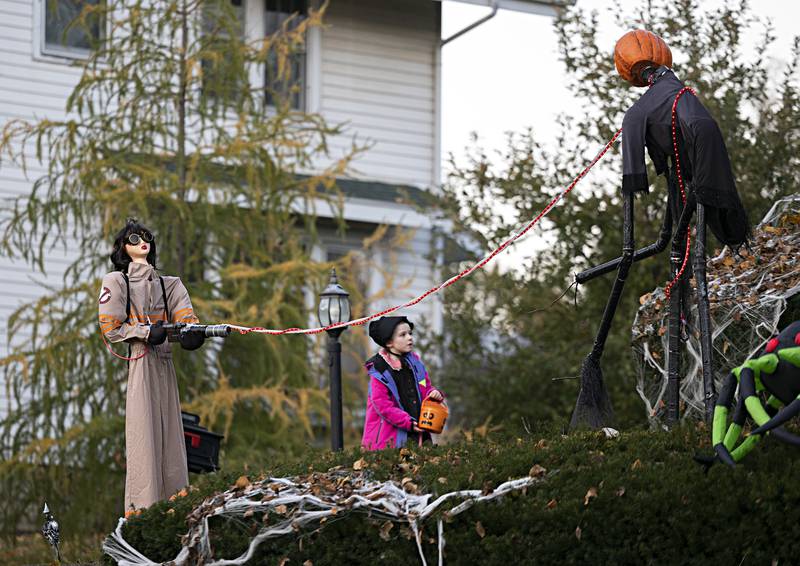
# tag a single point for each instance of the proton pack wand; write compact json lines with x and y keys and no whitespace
{"x":174,"y":330}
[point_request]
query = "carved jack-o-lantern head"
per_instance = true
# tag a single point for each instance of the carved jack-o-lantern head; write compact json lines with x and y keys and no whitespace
{"x":638,"y":49}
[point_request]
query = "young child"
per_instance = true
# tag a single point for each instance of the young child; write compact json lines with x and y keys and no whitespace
{"x":398,"y":383}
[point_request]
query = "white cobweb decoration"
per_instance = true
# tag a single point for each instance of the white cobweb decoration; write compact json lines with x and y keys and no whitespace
{"x":310,"y":501}
{"x":748,"y":293}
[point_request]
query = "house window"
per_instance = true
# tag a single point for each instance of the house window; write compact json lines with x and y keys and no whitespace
{"x":65,"y":34}
{"x":291,"y":86}
{"x":223,"y":69}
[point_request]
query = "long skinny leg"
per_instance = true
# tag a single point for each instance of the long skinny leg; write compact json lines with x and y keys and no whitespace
{"x":592,"y":407}
{"x":676,"y":303}
{"x":787,"y":413}
{"x":706,"y":346}
{"x":778,"y":432}
{"x":622,"y":274}
{"x":723,"y":404}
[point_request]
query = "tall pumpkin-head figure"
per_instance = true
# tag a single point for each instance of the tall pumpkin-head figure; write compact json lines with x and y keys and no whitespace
{"x":637,"y":50}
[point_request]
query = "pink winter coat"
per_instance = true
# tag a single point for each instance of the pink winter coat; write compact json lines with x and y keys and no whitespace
{"x":387,"y":424}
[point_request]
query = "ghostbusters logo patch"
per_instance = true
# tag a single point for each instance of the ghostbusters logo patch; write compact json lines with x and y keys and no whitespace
{"x":105,"y":295}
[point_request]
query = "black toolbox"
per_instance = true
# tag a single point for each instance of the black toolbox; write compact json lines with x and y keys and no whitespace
{"x":202,"y":445}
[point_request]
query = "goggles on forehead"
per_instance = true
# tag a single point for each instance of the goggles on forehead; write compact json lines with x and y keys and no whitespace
{"x":136,"y":239}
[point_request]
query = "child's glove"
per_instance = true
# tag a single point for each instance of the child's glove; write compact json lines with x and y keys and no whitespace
{"x":436,"y":395}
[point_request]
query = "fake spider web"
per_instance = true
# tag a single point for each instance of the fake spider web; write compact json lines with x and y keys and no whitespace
{"x":748,"y":294}
{"x":291,"y":505}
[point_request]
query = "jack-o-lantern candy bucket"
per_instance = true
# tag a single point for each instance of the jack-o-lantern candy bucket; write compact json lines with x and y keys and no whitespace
{"x":432,"y":416}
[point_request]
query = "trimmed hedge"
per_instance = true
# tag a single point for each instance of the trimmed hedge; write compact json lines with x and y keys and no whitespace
{"x":653,"y":505}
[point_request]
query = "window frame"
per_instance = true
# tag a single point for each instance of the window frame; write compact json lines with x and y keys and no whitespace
{"x":312,"y":39}
{"x":56,"y":54}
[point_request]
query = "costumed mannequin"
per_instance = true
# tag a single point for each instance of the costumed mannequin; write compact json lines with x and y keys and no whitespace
{"x":685,"y":144}
{"x":775,"y":371}
{"x":135,"y":302}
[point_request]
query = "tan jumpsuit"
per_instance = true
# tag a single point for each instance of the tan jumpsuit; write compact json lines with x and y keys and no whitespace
{"x":154,"y":444}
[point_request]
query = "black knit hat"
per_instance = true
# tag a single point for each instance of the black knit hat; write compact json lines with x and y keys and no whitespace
{"x":381,"y":329}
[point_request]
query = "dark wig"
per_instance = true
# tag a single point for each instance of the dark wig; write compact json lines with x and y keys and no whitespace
{"x":119,"y":257}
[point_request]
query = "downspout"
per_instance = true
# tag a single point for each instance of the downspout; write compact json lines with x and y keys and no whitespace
{"x":472,"y":26}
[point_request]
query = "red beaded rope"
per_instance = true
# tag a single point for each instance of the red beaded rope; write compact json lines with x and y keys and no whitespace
{"x":668,"y":288}
{"x":445,"y":284}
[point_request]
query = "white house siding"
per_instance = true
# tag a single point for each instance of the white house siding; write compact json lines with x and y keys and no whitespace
{"x":378,"y":73}
{"x":30,"y":88}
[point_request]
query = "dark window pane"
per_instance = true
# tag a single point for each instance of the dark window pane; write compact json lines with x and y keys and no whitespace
{"x":224,"y":26}
{"x":293,"y":87}
{"x":59,"y":14}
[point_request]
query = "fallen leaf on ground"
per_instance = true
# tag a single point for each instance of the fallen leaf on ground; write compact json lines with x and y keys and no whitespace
{"x":578,"y":533}
{"x":359,"y":464}
{"x":552,"y":504}
{"x":636,"y":464}
{"x":480,"y":530}
{"x":591,"y":494}
{"x":385,"y":528}
{"x":620,"y":492}
{"x":537,"y":471}
{"x":242,"y":482}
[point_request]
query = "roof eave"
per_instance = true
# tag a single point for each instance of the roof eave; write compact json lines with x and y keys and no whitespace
{"x":541,"y":8}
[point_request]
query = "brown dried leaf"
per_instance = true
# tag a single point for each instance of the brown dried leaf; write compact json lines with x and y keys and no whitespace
{"x":480,"y":530}
{"x":537,"y":471}
{"x":359,"y":464}
{"x":591,"y":494}
{"x":578,"y":533}
{"x":281,"y":509}
{"x":552,"y":504}
{"x":385,"y":528}
{"x":242,"y":482}
{"x":542,"y":444}
{"x":283,"y":561}
{"x":308,"y":562}
{"x":248,"y":514}
{"x":620,"y":492}
{"x":636,"y":464}
{"x":442,"y":480}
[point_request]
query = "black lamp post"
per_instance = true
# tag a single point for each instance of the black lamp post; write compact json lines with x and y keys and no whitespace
{"x":334,"y":307}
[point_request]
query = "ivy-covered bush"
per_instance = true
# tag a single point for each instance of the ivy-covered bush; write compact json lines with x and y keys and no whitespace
{"x":636,"y":499}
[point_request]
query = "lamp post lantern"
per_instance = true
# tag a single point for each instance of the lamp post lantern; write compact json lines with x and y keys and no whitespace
{"x":334,"y":307}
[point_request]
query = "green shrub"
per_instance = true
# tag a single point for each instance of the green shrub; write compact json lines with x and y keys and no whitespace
{"x":653,"y":505}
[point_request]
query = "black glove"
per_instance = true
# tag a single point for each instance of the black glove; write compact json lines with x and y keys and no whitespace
{"x":191,"y":340}
{"x":157,"y":333}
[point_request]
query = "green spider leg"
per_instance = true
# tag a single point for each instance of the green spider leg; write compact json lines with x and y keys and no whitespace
{"x":748,"y":404}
